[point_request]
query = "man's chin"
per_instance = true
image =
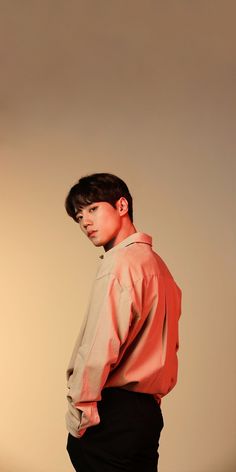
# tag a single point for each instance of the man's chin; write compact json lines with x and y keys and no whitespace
{"x":97,"y":243}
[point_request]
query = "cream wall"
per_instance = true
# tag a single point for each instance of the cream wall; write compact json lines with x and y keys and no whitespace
{"x":145,"y":90}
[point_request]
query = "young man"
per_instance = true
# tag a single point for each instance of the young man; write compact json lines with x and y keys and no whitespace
{"x":125,"y":358}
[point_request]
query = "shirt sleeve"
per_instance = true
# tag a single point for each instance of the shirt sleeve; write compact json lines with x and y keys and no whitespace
{"x":106,"y":328}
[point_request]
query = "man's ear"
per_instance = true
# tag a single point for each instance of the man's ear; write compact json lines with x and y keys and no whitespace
{"x":122,"y":205}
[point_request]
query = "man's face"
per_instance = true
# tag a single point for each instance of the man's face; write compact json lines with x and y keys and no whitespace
{"x":101,"y":223}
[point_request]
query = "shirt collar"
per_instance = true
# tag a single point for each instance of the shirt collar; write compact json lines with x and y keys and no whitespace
{"x":133,"y":238}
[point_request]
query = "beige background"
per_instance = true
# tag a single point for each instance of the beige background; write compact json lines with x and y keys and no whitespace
{"x":146,"y":90}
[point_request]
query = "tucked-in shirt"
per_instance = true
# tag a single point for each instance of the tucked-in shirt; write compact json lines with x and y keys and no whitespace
{"x":129,"y":336}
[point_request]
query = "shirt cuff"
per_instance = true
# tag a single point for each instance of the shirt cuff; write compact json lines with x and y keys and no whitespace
{"x":81,"y":416}
{"x":88,"y":414}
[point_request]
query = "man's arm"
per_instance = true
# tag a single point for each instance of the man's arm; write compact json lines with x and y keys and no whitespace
{"x":108,"y":319}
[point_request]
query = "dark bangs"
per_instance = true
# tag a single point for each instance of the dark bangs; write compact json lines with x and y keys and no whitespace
{"x":100,"y":187}
{"x":75,"y":202}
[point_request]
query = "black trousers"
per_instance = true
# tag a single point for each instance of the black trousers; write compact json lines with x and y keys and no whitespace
{"x":126,"y":439}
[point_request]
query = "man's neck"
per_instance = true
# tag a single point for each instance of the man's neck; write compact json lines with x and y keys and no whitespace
{"x":123,"y":234}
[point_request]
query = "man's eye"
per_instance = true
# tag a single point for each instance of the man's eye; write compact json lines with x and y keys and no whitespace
{"x":79,"y":218}
{"x":92,"y":209}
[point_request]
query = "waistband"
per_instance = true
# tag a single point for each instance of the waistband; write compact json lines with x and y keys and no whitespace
{"x":119,"y":392}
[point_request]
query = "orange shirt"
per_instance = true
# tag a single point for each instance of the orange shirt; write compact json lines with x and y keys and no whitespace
{"x":129,"y":336}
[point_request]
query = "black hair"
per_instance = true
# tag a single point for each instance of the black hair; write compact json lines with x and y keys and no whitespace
{"x":99,"y":187}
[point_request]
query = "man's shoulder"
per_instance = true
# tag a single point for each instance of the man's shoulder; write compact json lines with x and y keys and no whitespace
{"x":132,"y":263}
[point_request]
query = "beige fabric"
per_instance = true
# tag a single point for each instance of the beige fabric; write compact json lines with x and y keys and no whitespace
{"x":129,"y":337}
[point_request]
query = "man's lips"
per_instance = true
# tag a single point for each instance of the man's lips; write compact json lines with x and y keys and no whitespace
{"x":91,"y":233}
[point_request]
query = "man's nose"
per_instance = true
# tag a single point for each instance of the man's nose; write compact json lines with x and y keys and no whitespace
{"x":86,"y":221}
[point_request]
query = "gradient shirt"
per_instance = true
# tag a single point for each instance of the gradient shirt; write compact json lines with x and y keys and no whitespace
{"x":129,"y":336}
